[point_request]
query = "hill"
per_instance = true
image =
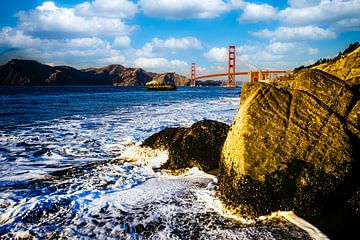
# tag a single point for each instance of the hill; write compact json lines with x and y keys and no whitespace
{"x":29,"y":72}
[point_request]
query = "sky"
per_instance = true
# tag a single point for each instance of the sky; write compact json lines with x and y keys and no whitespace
{"x":168,"y":35}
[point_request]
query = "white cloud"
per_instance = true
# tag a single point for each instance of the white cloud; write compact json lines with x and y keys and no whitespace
{"x":257,"y":12}
{"x":296,"y":33}
{"x":86,"y":51}
{"x":216,"y":54}
{"x":281,"y":55}
{"x":48,"y":18}
{"x":183,"y":9}
{"x":177,"y":43}
{"x":158,"y":46}
{"x":87,"y":42}
{"x":13,"y":38}
{"x":122,"y":42}
{"x":325,"y":12}
{"x":107,"y":9}
{"x":162,"y":64}
{"x":281,"y":47}
{"x":145,"y":51}
{"x":337,"y":15}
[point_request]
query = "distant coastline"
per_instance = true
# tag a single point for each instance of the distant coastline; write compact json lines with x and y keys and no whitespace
{"x":32,"y":73}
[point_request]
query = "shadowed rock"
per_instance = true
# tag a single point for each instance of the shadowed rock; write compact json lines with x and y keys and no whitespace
{"x":196,"y":146}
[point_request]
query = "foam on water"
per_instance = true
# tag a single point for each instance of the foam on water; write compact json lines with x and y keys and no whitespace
{"x":86,"y":176}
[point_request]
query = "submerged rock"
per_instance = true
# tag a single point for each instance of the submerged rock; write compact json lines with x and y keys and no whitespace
{"x":295,"y":148}
{"x":162,"y":82}
{"x":196,"y":146}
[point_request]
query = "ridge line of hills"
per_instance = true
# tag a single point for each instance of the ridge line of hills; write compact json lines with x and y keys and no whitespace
{"x":30,"y":72}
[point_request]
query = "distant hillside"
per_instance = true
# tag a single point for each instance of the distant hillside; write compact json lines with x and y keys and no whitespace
{"x":345,"y":66}
{"x":28,"y":72}
{"x":338,"y":61}
{"x":211,"y":83}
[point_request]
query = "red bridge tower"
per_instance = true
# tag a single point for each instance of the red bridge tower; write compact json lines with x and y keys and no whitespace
{"x":193,"y":74}
{"x":231,"y":67}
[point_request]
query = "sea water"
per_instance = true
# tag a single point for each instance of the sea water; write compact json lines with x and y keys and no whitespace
{"x":71,"y":167}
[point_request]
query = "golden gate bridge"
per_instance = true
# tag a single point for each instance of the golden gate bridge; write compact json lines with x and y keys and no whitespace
{"x":258,"y":75}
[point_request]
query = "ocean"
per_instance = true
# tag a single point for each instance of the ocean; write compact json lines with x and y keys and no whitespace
{"x":71,"y":167}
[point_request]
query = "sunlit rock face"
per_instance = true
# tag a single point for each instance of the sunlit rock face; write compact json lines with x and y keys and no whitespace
{"x":293,"y":147}
{"x":196,"y":146}
{"x":346,"y":66}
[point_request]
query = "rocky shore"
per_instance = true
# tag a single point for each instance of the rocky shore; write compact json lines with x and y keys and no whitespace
{"x":294,"y":145}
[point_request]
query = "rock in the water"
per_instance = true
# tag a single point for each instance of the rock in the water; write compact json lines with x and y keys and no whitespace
{"x":163,"y":82}
{"x":196,"y":146}
{"x":295,"y":148}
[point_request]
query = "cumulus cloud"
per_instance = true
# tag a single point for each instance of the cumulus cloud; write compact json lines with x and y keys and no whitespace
{"x":325,"y":12}
{"x":107,"y":8}
{"x":282,"y":55}
{"x":216,"y":54}
{"x":296,"y":33}
{"x":84,"y":51}
{"x":161,"y":64}
{"x":177,"y":43}
{"x":258,"y":12}
{"x":157,"y":46}
{"x":122,"y":42}
{"x":338,"y":15}
{"x":145,"y":51}
{"x":51,"y":19}
{"x":183,"y":9}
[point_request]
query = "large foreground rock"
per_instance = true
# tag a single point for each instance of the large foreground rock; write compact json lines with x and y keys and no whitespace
{"x":296,"y":148}
{"x":196,"y":146}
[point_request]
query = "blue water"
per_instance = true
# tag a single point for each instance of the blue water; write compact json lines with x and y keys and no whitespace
{"x":71,"y":166}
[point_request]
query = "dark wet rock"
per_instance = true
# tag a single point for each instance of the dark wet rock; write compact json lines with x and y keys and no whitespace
{"x":295,"y":148}
{"x":162,"y":82}
{"x":196,"y":146}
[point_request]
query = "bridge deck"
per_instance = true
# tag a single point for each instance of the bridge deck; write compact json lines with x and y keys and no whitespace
{"x":239,"y":73}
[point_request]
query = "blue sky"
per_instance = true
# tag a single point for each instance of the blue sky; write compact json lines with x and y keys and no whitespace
{"x":167,"y":35}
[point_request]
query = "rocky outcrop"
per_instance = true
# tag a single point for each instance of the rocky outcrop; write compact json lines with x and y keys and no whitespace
{"x":196,"y":146}
{"x":162,"y":82}
{"x":295,"y":148}
{"x":25,"y":72}
{"x":181,"y":80}
{"x":122,"y":76}
{"x":345,"y":66}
